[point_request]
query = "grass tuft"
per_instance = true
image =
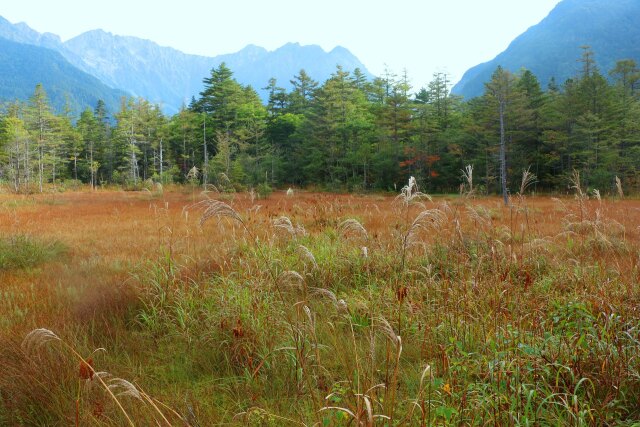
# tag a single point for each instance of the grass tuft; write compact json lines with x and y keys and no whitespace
{"x":23,"y":252}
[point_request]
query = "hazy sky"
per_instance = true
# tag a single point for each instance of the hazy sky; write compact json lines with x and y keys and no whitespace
{"x":423,"y":36}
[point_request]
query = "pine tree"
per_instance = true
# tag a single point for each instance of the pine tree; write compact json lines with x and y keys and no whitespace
{"x":104,"y":155}
{"x":508,"y":105}
{"x":39,"y":118}
{"x":88,"y":128}
{"x":184,"y":136}
{"x":302,"y":94}
{"x":277,"y":101}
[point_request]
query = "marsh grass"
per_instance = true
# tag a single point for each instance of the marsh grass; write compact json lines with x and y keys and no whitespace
{"x":457,"y":312}
{"x":114,"y":389}
{"x":23,"y":252}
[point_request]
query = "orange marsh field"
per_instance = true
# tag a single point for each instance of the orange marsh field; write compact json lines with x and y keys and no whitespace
{"x":318,"y":309}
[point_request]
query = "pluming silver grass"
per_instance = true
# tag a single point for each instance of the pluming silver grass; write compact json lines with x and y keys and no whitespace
{"x":210,"y":188}
{"x":122,"y":387}
{"x":352,"y":227}
{"x":340,"y":304}
{"x":365,"y":252}
{"x":223,"y":179}
{"x":575,"y":184}
{"x":215,"y":209}
{"x":528,"y":179}
{"x":446,"y":208}
{"x":307,"y":256}
{"x":193,"y":174}
{"x":480,"y":214}
{"x":310,"y":317}
{"x":326,"y":293}
{"x":433,"y":218}
{"x":291,"y":279}
{"x":619,"y":188}
{"x":37,"y":338}
{"x":254,"y":209}
{"x":307,"y":311}
{"x":388,"y":331}
{"x":467,"y":184}
{"x":410,"y":193}
{"x":284,"y":224}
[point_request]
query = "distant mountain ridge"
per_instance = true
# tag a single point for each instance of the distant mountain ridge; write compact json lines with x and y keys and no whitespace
{"x":170,"y":77}
{"x":160,"y":74}
{"x":23,"y":66}
{"x":552,"y":47}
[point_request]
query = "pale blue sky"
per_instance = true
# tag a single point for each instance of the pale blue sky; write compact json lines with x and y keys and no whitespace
{"x":423,"y":36}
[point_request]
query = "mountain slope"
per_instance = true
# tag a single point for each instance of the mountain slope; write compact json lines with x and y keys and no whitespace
{"x":22,"y":33}
{"x":552,"y":47}
{"x":259,"y":65}
{"x":161,"y":74}
{"x":23,"y":66}
{"x":170,"y":77}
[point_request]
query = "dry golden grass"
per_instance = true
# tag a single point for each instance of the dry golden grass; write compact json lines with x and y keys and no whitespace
{"x":88,"y":295}
{"x":110,"y":232}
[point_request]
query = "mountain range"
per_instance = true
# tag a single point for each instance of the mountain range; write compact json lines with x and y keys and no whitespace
{"x":22,"y":67}
{"x":169,"y":77}
{"x":552,"y":48}
{"x":100,"y":65}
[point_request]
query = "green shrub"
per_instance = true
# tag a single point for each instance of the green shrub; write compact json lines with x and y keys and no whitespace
{"x":264,"y":190}
{"x":21,"y":252}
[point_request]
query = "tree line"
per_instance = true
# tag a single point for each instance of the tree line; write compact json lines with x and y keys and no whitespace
{"x":348,"y":133}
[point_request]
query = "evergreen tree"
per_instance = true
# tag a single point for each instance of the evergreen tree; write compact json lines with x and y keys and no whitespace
{"x":505,"y":99}
{"x":88,"y":129}
{"x":277,"y":102}
{"x":347,"y":133}
{"x":184,"y":136}
{"x":39,"y":118}
{"x":15,"y":142}
{"x":302,"y":94}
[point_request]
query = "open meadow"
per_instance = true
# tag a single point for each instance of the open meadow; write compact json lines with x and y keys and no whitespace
{"x":184,"y":308}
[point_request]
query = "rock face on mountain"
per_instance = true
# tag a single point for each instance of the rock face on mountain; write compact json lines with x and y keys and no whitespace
{"x":169,"y":77}
{"x":552,"y":47}
{"x":23,"y":66}
{"x":161,"y":74}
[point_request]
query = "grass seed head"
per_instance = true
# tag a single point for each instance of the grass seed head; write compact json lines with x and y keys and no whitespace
{"x":387,"y":330}
{"x":122,"y":387}
{"x":467,"y":185}
{"x":352,"y":227}
{"x":193,"y":174}
{"x":283,"y":223}
{"x":430,"y":218}
{"x":37,"y":338}
{"x":307,"y":256}
{"x":410,"y":193}
{"x":528,"y":179}
{"x":215,"y":209}
{"x":365,"y":252}
{"x":619,"y":188}
{"x":291,"y":279}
